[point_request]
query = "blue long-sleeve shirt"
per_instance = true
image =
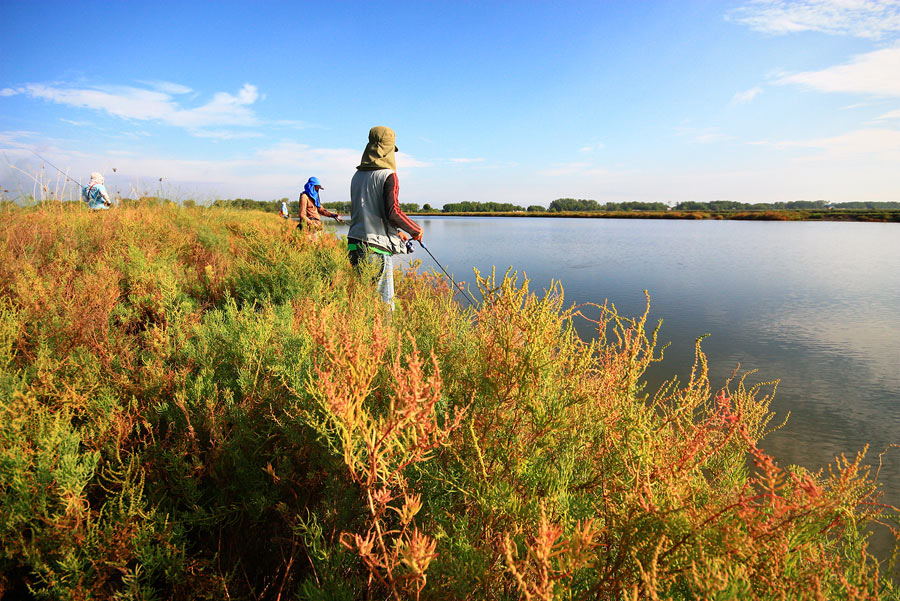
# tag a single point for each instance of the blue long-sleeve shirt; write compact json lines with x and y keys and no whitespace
{"x":96,"y":196}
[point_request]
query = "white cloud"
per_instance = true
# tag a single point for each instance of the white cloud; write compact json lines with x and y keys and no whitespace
{"x":876,"y":73}
{"x":889,"y":116}
{"x":407,"y":161}
{"x":706,"y":135}
{"x":159,"y":104}
{"x":591,"y":147}
{"x":79,"y":123}
{"x":746,"y":96}
{"x":291,"y":154}
{"x":10,"y":140}
{"x":881,"y":143}
{"x":272,"y":172}
{"x":168,"y":87}
{"x":125,"y":102}
{"x":464,"y":160}
{"x":11,"y":91}
{"x":872,"y":19}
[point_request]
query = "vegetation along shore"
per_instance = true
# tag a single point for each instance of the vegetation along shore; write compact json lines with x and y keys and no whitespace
{"x":206,"y":403}
{"x":818,"y":210}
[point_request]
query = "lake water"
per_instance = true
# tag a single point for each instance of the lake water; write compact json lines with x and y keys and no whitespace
{"x":815,"y":305}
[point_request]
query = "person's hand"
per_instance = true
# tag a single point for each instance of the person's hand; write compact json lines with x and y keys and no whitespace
{"x":418,"y":237}
{"x":403,"y":236}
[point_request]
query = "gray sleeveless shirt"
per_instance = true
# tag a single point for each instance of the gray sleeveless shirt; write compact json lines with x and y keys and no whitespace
{"x":368,"y":223}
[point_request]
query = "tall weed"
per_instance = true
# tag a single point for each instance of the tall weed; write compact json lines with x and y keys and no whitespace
{"x":210,"y":404}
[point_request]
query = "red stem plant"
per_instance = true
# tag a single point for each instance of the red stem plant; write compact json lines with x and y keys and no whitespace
{"x":650,"y":497}
{"x":203,"y":403}
{"x":379,"y":441}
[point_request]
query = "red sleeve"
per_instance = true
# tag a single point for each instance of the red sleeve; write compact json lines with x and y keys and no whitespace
{"x":395,"y":216}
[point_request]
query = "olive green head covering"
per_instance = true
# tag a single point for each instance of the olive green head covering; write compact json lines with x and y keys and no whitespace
{"x":379,"y":152}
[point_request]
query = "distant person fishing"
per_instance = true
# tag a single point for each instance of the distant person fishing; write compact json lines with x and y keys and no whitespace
{"x":376,"y":219}
{"x":95,"y":193}
{"x":311,"y":206}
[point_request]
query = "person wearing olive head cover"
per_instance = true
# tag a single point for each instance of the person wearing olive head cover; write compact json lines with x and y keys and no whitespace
{"x":376,"y":220}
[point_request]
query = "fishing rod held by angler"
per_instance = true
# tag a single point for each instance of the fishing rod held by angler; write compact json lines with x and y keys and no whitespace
{"x":66,"y":175}
{"x":455,"y":286}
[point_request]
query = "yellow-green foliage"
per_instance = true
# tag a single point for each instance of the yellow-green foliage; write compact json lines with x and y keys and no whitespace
{"x":210,"y":404}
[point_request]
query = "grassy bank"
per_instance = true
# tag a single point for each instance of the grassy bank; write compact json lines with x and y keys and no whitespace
{"x":208,"y":404}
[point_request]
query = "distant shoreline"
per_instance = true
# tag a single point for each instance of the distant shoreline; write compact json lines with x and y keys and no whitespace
{"x":862,"y":215}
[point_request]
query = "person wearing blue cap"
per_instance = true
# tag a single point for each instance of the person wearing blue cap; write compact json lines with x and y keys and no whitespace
{"x":311,"y":206}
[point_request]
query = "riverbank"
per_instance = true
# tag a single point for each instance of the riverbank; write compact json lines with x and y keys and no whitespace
{"x":212,"y":404}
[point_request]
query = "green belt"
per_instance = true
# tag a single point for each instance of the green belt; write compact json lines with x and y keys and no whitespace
{"x":355,"y":246}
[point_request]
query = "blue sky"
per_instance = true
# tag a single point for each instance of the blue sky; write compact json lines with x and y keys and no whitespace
{"x":523,"y":102}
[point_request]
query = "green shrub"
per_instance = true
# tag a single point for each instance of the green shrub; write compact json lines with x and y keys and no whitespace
{"x":208,"y":404}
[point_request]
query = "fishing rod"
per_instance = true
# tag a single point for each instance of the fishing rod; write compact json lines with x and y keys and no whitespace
{"x":455,"y":286}
{"x":66,"y":175}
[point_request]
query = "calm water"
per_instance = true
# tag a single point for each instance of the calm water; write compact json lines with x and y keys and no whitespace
{"x":815,"y":305}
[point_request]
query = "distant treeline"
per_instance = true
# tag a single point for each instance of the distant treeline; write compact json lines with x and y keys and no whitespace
{"x":271,"y":206}
{"x":730,"y":205}
{"x":480,"y":207}
{"x":344,"y":207}
{"x":274,"y":206}
{"x":716,"y":206}
{"x":572,"y":205}
{"x":582,"y":205}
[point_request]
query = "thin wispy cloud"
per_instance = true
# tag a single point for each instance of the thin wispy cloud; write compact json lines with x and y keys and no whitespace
{"x":746,"y":96}
{"x":271,"y":172}
{"x":873,"y":19}
{"x":158,"y":104}
{"x":79,"y":123}
{"x":876,"y":73}
{"x":167,"y":87}
{"x":17,"y":139}
{"x":881,"y":143}
{"x":407,"y":161}
{"x":889,"y":116}
{"x":465,"y":160}
{"x":591,"y":147}
{"x":706,"y":135}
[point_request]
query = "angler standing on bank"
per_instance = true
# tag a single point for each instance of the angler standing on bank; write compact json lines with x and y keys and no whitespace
{"x":376,"y":219}
{"x":311,"y":206}
{"x":95,"y":193}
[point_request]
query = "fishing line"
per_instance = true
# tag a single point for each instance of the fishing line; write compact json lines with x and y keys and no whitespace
{"x":460,"y":288}
{"x":58,"y":169}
